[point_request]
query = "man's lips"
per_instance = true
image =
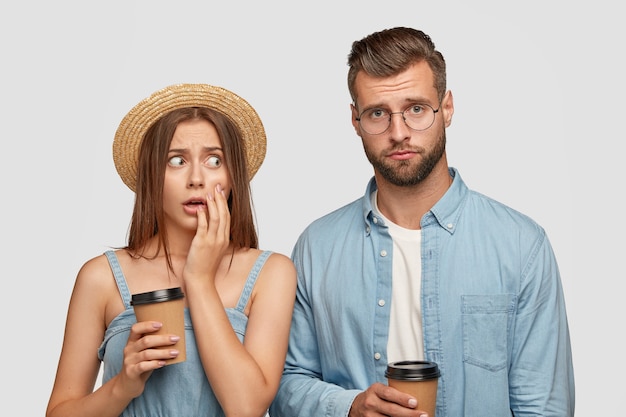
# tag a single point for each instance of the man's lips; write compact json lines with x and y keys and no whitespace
{"x":402,"y":155}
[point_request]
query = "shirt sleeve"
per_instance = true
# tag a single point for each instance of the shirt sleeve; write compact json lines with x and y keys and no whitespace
{"x":302,"y":391}
{"x":541,"y":373}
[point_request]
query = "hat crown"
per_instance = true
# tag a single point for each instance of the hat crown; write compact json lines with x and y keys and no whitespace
{"x":138,"y":120}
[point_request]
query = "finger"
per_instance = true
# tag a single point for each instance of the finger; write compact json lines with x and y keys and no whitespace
{"x":393,"y":395}
{"x":224,"y":213}
{"x":213,"y":212}
{"x":141,"y":328}
{"x":201,"y":215}
{"x":151,"y":347}
{"x":158,"y":340}
{"x":155,"y":354}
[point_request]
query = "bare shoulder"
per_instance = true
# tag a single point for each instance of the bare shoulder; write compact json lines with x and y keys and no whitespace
{"x":280,"y":263}
{"x":275,"y":289}
{"x":95,"y":293}
{"x":95,"y":279}
{"x":276,"y":267}
{"x":276,"y":262}
{"x":278,"y":274}
{"x":95,"y":271}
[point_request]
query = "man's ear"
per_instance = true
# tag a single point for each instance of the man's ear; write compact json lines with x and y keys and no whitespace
{"x":355,"y":122}
{"x":447,"y":108}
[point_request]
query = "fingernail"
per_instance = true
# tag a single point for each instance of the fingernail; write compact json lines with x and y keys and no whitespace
{"x":174,"y":338}
{"x":157,"y":325}
{"x":412,"y":403}
{"x":219,"y":188}
{"x":173,"y":352}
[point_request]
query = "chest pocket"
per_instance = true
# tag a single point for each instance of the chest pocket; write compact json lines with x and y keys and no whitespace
{"x":487,"y":323}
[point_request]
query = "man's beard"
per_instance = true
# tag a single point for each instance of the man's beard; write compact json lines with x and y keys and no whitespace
{"x":401,"y":173}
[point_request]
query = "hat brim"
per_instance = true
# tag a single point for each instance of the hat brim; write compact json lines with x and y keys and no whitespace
{"x":134,"y":125}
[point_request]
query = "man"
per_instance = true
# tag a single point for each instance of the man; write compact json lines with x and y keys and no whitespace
{"x":421,"y":267}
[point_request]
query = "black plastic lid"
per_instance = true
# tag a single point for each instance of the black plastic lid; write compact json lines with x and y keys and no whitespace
{"x":412,"y":370}
{"x":157,"y":296}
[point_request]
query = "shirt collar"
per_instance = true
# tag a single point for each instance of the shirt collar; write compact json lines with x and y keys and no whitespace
{"x":446,"y":212}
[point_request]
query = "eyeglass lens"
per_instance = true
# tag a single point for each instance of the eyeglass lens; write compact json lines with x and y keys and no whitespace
{"x":417,"y":117}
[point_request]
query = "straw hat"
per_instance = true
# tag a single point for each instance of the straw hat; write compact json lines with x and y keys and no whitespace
{"x":134,"y":125}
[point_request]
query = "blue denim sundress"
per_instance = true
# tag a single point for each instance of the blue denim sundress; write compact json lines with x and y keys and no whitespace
{"x":180,"y":389}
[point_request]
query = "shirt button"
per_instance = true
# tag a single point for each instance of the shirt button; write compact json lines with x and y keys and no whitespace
{"x":377,"y":356}
{"x":449,"y":225}
{"x":381,"y":303}
{"x":383,"y":253}
{"x":375,"y":220}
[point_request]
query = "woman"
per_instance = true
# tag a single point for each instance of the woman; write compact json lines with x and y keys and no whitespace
{"x":188,"y":152}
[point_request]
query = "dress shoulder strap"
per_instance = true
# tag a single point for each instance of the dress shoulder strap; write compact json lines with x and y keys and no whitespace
{"x":119,"y":277}
{"x":252,"y":277}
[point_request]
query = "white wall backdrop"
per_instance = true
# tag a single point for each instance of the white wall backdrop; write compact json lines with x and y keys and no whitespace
{"x":538,"y":88}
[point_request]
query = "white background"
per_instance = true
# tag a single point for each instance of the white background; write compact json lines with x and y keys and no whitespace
{"x":538,"y":89}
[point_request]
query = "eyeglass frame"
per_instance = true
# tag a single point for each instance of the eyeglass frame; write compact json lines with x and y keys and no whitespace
{"x":435,"y":111}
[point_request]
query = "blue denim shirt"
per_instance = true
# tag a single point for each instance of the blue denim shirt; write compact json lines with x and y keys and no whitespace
{"x":494,"y":316}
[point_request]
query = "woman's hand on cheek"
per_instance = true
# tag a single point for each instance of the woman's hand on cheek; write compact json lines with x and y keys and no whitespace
{"x":212,"y":236}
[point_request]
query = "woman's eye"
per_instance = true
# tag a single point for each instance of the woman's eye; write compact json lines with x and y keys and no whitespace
{"x":214,"y":161}
{"x":176,"y":161}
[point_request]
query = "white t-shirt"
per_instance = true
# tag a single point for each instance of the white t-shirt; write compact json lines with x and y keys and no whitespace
{"x":406,"y":341}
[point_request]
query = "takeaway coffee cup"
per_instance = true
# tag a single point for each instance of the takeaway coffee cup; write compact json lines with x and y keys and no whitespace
{"x":168,"y":307}
{"x":418,"y":378}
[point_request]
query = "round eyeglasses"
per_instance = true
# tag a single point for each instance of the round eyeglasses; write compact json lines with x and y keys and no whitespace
{"x":417,"y":117}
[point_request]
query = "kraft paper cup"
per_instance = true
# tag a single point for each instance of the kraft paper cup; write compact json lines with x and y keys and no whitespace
{"x":168,"y":307}
{"x":418,"y":378}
